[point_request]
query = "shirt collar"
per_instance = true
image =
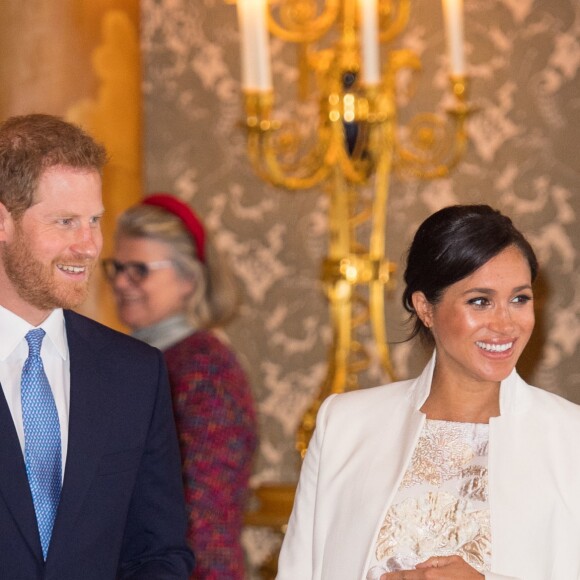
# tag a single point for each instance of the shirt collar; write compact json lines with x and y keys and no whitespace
{"x":55,"y":329}
{"x":13,"y":329}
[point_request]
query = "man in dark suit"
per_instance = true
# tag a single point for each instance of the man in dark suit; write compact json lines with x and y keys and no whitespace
{"x":90,"y":484}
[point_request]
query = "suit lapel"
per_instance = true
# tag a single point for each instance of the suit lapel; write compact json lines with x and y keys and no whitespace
{"x":14,"y":482}
{"x":88,"y":424}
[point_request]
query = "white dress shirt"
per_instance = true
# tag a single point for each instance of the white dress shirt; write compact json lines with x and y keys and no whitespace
{"x":55,"y":358}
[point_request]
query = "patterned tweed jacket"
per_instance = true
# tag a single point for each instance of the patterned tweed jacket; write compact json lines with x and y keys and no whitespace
{"x":216,"y":424}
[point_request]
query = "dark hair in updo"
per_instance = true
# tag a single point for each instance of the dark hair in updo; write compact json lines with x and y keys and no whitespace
{"x":450,"y":245}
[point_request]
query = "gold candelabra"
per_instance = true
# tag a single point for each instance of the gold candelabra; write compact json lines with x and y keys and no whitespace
{"x":358,"y":144}
{"x":358,"y":140}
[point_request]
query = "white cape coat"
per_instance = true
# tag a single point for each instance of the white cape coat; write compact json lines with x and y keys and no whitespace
{"x":361,"y":448}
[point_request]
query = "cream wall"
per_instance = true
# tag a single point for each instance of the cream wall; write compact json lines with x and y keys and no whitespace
{"x":523,"y":159}
{"x":80,"y":59}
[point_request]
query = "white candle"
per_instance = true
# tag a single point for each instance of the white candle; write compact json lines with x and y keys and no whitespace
{"x":453,"y":14}
{"x":369,"y":41}
{"x":253,"y":20}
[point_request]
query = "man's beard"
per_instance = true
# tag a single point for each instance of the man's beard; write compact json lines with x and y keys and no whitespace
{"x":36,"y":282}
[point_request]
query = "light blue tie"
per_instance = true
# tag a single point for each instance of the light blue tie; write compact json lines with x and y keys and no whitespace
{"x":42,"y":453}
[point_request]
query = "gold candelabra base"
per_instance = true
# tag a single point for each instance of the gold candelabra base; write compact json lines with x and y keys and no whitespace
{"x":272,"y":507}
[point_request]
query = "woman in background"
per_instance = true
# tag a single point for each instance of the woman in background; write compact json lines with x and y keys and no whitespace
{"x":172,"y":290}
{"x":466,"y":471}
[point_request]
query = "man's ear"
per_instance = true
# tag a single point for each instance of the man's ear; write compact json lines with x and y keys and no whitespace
{"x":6,"y":223}
{"x":423,"y":308}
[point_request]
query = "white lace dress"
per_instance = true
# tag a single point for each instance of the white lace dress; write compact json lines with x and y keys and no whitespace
{"x":441,"y":507}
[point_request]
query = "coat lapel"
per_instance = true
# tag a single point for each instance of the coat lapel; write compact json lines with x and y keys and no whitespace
{"x":14,"y":481}
{"x":388,"y":468}
{"x":377,"y":463}
{"x":88,"y":424}
{"x":377,"y":479}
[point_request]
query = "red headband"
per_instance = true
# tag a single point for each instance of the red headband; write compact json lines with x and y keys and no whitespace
{"x":185,"y":214}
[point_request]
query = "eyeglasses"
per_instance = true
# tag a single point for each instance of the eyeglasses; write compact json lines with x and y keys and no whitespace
{"x":135,"y":271}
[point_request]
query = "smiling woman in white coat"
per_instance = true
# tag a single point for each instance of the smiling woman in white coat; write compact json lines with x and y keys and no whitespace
{"x":465,"y":472}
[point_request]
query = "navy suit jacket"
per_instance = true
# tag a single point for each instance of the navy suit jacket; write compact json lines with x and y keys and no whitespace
{"x":121,"y":514}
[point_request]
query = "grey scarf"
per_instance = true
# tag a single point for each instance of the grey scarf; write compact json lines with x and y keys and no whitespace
{"x":165,"y":333}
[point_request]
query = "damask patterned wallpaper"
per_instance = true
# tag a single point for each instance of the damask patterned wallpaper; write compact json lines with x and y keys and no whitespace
{"x":523,"y":159}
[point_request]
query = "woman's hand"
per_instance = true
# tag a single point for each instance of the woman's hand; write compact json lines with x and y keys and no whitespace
{"x":438,"y":568}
